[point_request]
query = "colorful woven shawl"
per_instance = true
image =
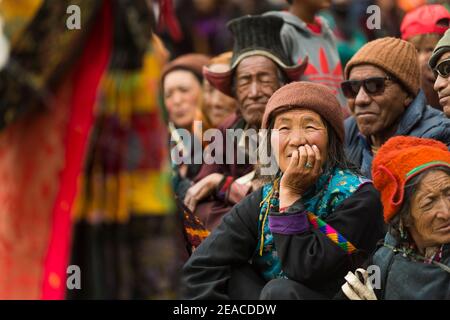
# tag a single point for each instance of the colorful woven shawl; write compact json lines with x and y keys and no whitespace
{"x":334,"y":187}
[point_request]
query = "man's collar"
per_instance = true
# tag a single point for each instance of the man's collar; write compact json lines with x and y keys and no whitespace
{"x":412,"y":115}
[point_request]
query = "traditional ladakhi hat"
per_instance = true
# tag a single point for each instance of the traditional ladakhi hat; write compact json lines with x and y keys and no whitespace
{"x":400,"y":159}
{"x":255,"y":35}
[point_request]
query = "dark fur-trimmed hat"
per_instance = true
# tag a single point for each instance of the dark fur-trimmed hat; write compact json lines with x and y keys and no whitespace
{"x":255,"y":36}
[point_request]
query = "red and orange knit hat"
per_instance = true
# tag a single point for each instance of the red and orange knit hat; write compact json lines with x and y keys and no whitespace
{"x":400,"y":159}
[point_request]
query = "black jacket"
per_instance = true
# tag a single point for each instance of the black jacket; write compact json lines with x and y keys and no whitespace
{"x":310,"y":257}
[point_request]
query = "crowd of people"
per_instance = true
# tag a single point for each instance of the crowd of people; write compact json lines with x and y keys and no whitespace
{"x":362,"y":163}
{"x":249,"y":150}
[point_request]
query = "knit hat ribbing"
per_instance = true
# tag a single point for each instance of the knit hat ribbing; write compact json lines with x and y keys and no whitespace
{"x":311,"y":96}
{"x":395,"y":56}
{"x":400,"y":159}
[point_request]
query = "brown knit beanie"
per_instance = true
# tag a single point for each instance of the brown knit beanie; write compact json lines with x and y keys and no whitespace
{"x":395,"y":56}
{"x":193,"y":62}
{"x":311,"y":96}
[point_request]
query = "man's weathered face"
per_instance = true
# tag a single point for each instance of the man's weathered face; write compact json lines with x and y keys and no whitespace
{"x":442,"y":87}
{"x":376,"y":114}
{"x":256,"y":80}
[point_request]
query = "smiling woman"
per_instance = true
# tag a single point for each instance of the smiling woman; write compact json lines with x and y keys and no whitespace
{"x":315,"y":220}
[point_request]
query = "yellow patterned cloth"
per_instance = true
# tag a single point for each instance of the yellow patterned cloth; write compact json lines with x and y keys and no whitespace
{"x":17,"y":14}
{"x":128,"y":170}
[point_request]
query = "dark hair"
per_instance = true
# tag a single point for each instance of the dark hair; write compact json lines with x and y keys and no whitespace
{"x":403,"y":217}
{"x":336,"y":154}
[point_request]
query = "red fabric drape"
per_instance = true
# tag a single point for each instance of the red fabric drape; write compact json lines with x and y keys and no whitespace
{"x":86,"y":78}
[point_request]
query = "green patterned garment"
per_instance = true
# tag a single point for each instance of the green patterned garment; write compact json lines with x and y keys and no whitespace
{"x":331,"y":189}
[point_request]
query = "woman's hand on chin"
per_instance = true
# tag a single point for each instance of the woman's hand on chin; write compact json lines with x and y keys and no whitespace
{"x":303,"y":171}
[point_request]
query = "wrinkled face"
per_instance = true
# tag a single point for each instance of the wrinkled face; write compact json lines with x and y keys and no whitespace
{"x":256,"y":80}
{"x":376,"y":114}
{"x":430,"y":210}
{"x":217,"y":105}
{"x":442,"y":87}
{"x":295,"y":128}
{"x":425,"y":45}
{"x":182,"y":96}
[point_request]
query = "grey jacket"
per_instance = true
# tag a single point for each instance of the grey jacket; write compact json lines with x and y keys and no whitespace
{"x":299,"y":42}
{"x":404,"y":279}
{"x":418,"y":120}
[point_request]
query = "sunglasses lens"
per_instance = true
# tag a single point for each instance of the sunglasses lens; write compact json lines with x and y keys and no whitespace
{"x":443,"y":69}
{"x":374,"y":85}
{"x":351,"y":88}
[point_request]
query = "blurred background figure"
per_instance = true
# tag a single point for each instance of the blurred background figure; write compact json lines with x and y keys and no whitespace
{"x":307,"y":37}
{"x":183,"y":97}
{"x":409,"y":5}
{"x":347,"y":20}
{"x":4,"y":45}
{"x":423,"y":27}
{"x":204,"y":23}
{"x":84,"y":176}
{"x":217,"y":106}
{"x":391,"y":16}
{"x":445,"y":3}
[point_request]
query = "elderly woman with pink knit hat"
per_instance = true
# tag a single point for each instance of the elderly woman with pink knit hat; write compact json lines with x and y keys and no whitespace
{"x":298,"y":235}
{"x":413,"y":177}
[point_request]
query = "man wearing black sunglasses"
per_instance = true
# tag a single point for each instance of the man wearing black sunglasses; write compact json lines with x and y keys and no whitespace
{"x":383,"y":91}
{"x":440,"y":63}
